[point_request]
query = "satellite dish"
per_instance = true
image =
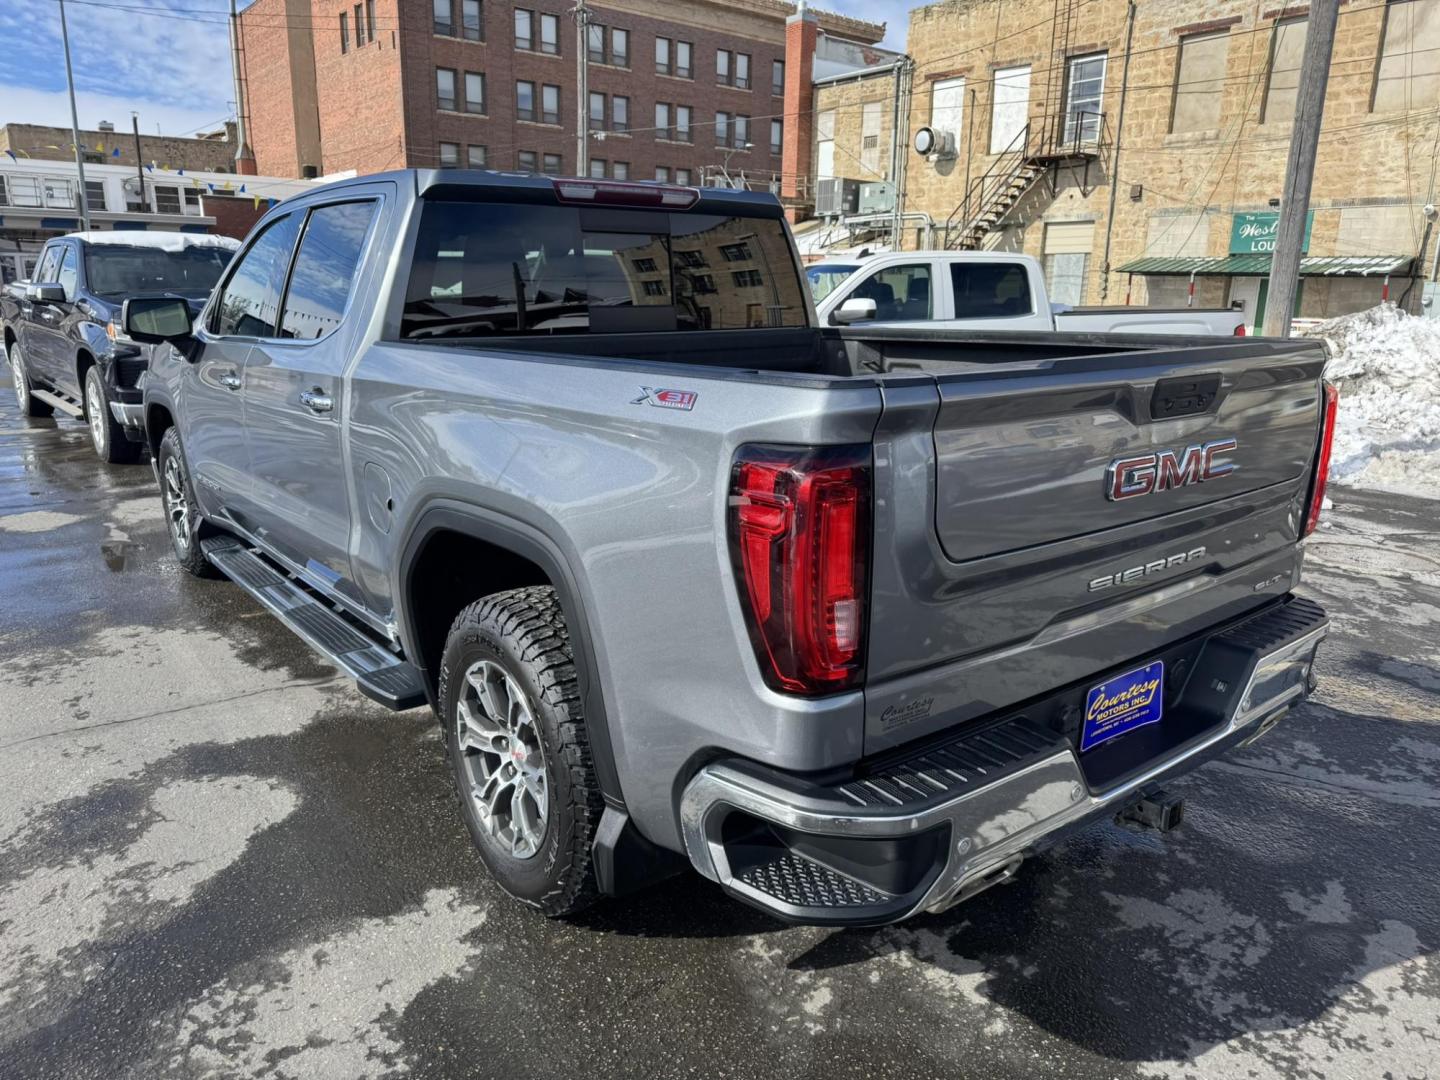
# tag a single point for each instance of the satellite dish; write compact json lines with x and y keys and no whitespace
{"x":925,"y":141}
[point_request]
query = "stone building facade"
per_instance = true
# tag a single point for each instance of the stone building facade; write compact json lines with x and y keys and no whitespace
{"x":209,"y":152}
{"x":677,"y":90}
{"x":1208,"y":106}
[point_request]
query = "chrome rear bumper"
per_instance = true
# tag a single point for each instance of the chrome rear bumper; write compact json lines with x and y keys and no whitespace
{"x":964,"y":813}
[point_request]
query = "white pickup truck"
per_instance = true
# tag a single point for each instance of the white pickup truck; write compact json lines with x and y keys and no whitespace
{"x":984,"y":290}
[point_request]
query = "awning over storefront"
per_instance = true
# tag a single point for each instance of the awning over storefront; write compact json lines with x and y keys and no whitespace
{"x":1259,"y":265}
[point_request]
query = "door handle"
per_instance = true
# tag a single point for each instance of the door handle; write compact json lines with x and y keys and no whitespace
{"x":230,"y":381}
{"x":317,"y":401}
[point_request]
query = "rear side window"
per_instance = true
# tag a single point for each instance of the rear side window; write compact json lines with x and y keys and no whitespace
{"x":990,"y":290}
{"x":499,"y":268}
{"x":247,"y":306}
{"x":325,"y":267}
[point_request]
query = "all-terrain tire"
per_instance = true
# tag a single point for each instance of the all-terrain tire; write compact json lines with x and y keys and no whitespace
{"x":106,"y":436}
{"x":182,"y":513}
{"x":520,"y":636}
{"x":21,"y":379}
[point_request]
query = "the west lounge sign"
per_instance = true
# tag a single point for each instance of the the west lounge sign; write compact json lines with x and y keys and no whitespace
{"x":1252,"y":234}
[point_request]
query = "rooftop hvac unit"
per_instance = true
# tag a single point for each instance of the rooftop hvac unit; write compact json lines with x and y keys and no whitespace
{"x":877,"y":197}
{"x":834,"y":196}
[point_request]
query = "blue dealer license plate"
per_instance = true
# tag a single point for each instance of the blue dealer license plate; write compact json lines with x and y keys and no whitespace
{"x":1123,"y":704}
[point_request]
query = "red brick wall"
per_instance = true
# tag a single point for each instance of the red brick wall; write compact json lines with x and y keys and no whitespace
{"x":234,"y":215}
{"x":268,"y":90}
{"x":358,"y":93}
{"x":801,"y":32}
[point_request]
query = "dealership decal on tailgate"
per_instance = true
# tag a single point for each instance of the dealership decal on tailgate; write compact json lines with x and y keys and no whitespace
{"x":1123,"y":704}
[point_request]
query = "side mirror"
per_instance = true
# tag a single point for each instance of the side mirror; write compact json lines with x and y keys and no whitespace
{"x":49,"y":292}
{"x":153,"y":319}
{"x":856,"y":309}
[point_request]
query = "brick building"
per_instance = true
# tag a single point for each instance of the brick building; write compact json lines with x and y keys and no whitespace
{"x":211,"y":152}
{"x":678,"y":89}
{"x":1025,"y":98}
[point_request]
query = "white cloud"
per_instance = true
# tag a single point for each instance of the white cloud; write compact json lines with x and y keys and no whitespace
{"x":895,"y":14}
{"x":26,"y":105}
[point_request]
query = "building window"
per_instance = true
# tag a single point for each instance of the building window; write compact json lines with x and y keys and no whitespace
{"x":618,"y":53}
{"x":683,"y":68}
{"x":703,"y":283}
{"x":550,"y":34}
{"x":597,"y":111}
{"x":24,"y":191}
{"x":94,"y":195}
{"x":1287,"y":49}
{"x":595,"y":43}
{"x":740,"y":128}
{"x":777,"y":78}
{"x":525,"y":100}
{"x":445,"y":88}
{"x":690,"y":259}
{"x":449,"y":155}
{"x":474,"y":92}
{"x":662,"y":174}
{"x":1067,"y":247}
{"x":777,"y":136}
{"x":645,"y":266}
{"x":682,"y":176}
{"x":619,"y":113}
{"x":472,"y":20}
{"x":620,"y":48}
{"x":722,"y":129}
{"x":597,"y":168}
{"x":344,"y":32}
{"x":444,"y":18}
{"x":673,"y":58}
{"x":620,"y":170}
{"x":551,"y":165}
{"x":736,"y":252}
{"x":653,"y":288}
{"x":746,"y":279}
{"x":662,"y":121}
{"x":1408,"y":75}
{"x":167,"y":200}
{"x":527,"y":161}
{"x":369,"y":20}
{"x":60,"y":194}
{"x":475,"y":157}
{"x":550,"y":104}
{"x":870,"y":137}
{"x":825,"y":144}
{"x":359,"y":25}
{"x":1084,"y":89}
{"x":662,"y":56}
{"x":682,"y":124}
{"x":732,"y":69}
{"x":1199,"y":82}
{"x":524,"y":29}
{"x":947,"y":110}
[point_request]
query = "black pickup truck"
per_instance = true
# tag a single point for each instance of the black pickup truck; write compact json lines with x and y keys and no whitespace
{"x":60,"y":329}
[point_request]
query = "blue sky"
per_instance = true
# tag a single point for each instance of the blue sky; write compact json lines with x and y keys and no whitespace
{"x":174,"y":71}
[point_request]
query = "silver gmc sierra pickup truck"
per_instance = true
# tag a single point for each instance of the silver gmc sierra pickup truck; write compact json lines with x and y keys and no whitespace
{"x":851,"y":621}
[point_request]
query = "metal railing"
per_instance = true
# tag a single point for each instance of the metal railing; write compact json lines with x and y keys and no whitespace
{"x":984,"y":190}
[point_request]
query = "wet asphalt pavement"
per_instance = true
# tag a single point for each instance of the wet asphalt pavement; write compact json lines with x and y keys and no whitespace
{"x":218,"y":860}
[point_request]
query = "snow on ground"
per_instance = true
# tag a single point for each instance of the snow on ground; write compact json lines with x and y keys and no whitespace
{"x":1387,"y":364}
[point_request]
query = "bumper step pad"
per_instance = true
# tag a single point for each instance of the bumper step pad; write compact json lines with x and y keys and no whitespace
{"x":378,"y":673}
{"x":802,"y":883}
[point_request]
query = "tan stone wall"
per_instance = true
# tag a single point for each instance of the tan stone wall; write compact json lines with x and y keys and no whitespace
{"x":53,"y":144}
{"x":848,"y":100}
{"x":1176,"y":192}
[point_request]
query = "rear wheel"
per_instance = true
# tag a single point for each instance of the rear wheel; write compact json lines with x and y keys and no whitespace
{"x":28,"y":405}
{"x":182,"y":515}
{"x":106,"y":435}
{"x":519,"y":747}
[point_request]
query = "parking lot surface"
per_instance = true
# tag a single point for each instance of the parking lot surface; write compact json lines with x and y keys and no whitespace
{"x":217,"y":860}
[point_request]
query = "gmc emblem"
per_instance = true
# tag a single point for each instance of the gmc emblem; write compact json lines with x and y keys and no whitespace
{"x":1144,"y":474}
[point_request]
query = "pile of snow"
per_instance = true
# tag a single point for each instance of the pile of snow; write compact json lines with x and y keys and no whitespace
{"x":1387,"y":365}
{"x":165,"y":241}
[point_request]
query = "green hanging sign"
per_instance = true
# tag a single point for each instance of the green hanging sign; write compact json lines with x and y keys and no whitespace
{"x":1254,"y":234}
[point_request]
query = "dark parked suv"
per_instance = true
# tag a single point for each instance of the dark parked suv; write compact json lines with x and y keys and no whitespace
{"x":60,"y":330}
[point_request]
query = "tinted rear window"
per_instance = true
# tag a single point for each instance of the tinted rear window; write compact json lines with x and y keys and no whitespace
{"x":500,"y":269}
{"x":987,"y":290}
{"x":116,"y":270}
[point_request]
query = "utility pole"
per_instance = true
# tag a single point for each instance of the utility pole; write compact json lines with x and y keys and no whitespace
{"x":581,"y":12}
{"x":1300,"y":167}
{"x":1115,"y":160}
{"x":84,"y":203}
{"x":139,"y":162}
{"x":244,"y":156}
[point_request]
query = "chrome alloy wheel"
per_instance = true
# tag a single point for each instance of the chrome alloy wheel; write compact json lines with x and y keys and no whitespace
{"x":17,"y":375}
{"x":95,"y":411}
{"x":504,"y":759}
{"x":177,"y":507}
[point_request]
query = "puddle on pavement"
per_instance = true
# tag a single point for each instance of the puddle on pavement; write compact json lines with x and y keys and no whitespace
{"x":120,"y":554}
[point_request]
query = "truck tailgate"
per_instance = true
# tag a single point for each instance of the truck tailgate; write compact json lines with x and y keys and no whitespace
{"x":1040,"y":523}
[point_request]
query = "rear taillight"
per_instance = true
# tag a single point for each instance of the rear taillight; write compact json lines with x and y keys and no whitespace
{"x":1322,"y":459}
{"x":1240,"y":330}
{"x":800,"y":541}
